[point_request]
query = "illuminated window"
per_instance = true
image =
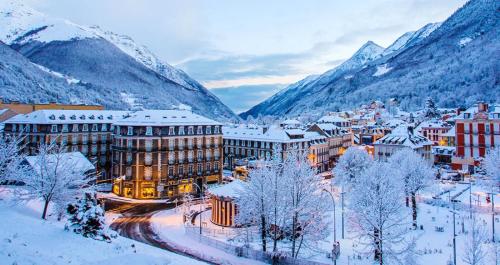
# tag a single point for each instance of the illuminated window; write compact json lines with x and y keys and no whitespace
{"x":149,"y":145}
{"x":149,"y":130}
{"x":130,"y":130}
{"x":148,"y":173}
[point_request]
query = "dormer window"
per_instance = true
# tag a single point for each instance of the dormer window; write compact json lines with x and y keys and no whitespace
{"x":35,"y":128}
{"x":130,"y":130}
{"x":200,"y":130}
{"x":65,"y":128}
{"x":94,"y":128}
{"x":85,"y":128}
{"x":209,"y":130}
{"x":75,"y":128}
{"x":216,"y":129}
{"x":73,"y":117}
{"x":181,"y":130}
{"x":190,"y":130}
{"x":104,"y":127}
{"x":171,"y":131}
{"x":14,"y":127}
{"x":53,"y":128}
{"x":149,"y":130}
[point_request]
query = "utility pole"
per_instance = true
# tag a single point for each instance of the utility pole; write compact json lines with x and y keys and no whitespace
{"x":454,"y":237}
{"x":493,"y":215}
{"x":342,"y":198}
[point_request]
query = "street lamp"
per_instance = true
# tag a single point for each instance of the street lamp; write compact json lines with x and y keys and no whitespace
{"x":334,"y":222}
{"x":203,"y":200}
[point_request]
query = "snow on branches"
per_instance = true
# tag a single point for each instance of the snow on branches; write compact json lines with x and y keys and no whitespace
{"x":350,"y":165}
{"x":10,"y":158}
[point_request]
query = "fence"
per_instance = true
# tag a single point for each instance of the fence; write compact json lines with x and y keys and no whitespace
{"x":241,"y":251}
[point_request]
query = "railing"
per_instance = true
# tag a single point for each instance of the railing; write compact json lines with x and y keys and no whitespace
{"x":241,"y":251}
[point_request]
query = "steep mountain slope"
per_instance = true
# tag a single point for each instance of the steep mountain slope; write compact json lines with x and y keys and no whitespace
{"x":122,"y":73}
{"x":456,"y":64}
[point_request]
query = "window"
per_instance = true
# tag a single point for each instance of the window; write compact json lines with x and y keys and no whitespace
{"x":85,"y":139}
{"x":74,"y":139}
{"x":85,"y":128}
{"x":171,"y":157}
{"x":200,"y":130}
{"x":199,"y":168}
{"x":208,"y":167}
{"x":190,"y":130}
{"x":181,"y":157}
{"x":181,"y":170}
{"x":130,"y":130}
{"x":84,"y":150}
{"x":216,"y":129}
{"x":149,"y":130}
{"x":171,"y":171}
{"x":128,"y":171}
{"x":14,"y":127}
{"x":243,"y":143}
{"x":94,"y":138}
{"x":103,"y":148}
{"x":216,"y":153}
{"x":209,"y":130}
{"x":208,"y":155}
{"x":181,"y":144}
{"x":53,"y":128}
{"x":181,"y":130}
{"x":190,"y":156}
{"x":129,"y":157}
{"x":199,"y":142}
{"x":190,"y":169}
{"x":200,"y":154}
{"x":35,"y":128}
{"x":190,"y":143}
{"x":171,"y":144}
{"x":148,"y":159}
{"x":64,"y":140}
{"x":65,"y":128}
{"x":94,"y":149}
{"x":171,"y":131}
{"x":118,"y":130}
{"x":216,"y":167}
{"x":94,"y":128}
{"x":104,"y":127}
{"x":148,"y":173}
{"x":149,"y":145}
{"x":104,"y":138}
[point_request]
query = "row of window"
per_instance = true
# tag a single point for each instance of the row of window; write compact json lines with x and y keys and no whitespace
{"x":177,"y":171}
{"x":171,"y":157}
{"x":148,"y":143}
{"x":171,"y":130}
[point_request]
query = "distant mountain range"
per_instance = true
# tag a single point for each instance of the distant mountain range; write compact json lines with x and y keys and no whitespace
{"x":57,"y":60}
{"x":455,"y":62}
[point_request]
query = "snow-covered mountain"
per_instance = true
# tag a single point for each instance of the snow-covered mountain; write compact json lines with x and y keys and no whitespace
{"x":112,"y":65}
{"x":454,"y":62}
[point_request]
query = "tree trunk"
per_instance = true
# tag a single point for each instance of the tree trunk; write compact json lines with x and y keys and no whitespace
{"x":45,"y":207}
{"x":414,"y":206}
{"x":294,"y":232}
{"x":376,"y":242}
{"x":263,"y":232}
{"x":407,"y":201}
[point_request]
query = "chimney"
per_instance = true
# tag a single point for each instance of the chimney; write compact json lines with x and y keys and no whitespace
{"x":264,"y":129}
{"x":410,"y":130}
{"x":482,"y":107}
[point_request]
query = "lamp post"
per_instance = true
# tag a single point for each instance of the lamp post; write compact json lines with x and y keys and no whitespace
{"x":203,"y":200}
{"x":342,"y":201}
{"x":492,"y":196}
{"x":334,"y":222}
{"x":454,"y":236}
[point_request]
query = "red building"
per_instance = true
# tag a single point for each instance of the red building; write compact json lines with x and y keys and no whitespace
{"x":477,"y":130}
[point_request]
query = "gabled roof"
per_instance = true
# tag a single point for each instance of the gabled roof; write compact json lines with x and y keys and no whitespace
{"x":273,"y":134}
{"x":403,"y":136}
{"x":76,"y":160}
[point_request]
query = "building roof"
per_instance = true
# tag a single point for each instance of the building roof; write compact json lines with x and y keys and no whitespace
{"x":164,"y":117}
{"x":77,"y":160}
{"x":331,"y":119}
{"x":68,"y":116}
{"x":232,"y":189}
{"x":432,"y":124}
{"x":493,"y":112}
{"x":404,"y":136}
{"x":450,"y":133}
{"x":272,"y":134}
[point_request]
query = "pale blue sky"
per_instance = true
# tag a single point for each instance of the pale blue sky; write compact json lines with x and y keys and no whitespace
{"x":230,"y":43}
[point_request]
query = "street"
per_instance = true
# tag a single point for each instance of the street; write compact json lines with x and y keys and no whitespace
{"x":135,"y":224}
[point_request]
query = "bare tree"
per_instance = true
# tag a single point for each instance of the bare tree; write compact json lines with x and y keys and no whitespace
{"x":10,"y":157}
{"x":475,"y":251}
{"x":350,"y":166}
{"x":416,"y":173}
{"x":56,"y":176}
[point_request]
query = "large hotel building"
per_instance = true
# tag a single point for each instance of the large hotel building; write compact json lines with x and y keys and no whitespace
{"x":146,"y":154}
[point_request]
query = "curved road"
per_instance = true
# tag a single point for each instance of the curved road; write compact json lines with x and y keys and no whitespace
{"x":135,"y":223}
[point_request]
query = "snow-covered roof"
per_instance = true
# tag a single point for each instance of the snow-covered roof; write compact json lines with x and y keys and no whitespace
{"x":291,"y":122}
{"x":273,"y":134}
{"x":327,"y":126}
{"x":403,"y":136}
{"x":432,"y":124}
{"x":331,"y":119}
{"x":232,"y":189}
{"x":68,"y":116}
{"x":493,"y":112}
{"x":2,"y":111}
{"x":393,"y":123}
{"x":165,"y":117}
{"x":76,"y":160}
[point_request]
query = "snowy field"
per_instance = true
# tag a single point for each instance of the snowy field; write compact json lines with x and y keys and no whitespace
{"x":434,"y":243}
{"x":27,"y":239}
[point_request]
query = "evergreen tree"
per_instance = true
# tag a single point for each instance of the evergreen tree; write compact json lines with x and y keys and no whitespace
{"x":430,"y":109}
{"x":86,"y":217}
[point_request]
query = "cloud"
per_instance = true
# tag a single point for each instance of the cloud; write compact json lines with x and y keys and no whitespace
{"x":242,"y":98}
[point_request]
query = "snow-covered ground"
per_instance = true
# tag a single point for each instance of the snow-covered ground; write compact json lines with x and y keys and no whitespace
{"x":170,"y":227}
{"x":27,"y":239}
{"x":434,"y":246}
{"x":382,"y":69}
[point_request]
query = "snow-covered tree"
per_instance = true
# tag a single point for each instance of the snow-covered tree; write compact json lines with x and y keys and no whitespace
{"x":55,"y":176}
{"x":253,"y":202}
{"x":350,"y":166}
{"x":86,"y":217}
{"x":377,"y":213}
{"x":10,"y":157}
{"x":430,"y":110}
{"x":475,"y":249}
{"x":491,"y":165}
{"x":306,"y":203}
{"x":415,"y":172}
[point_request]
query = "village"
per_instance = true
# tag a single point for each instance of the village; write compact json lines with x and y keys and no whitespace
{"x":220,"y":192}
